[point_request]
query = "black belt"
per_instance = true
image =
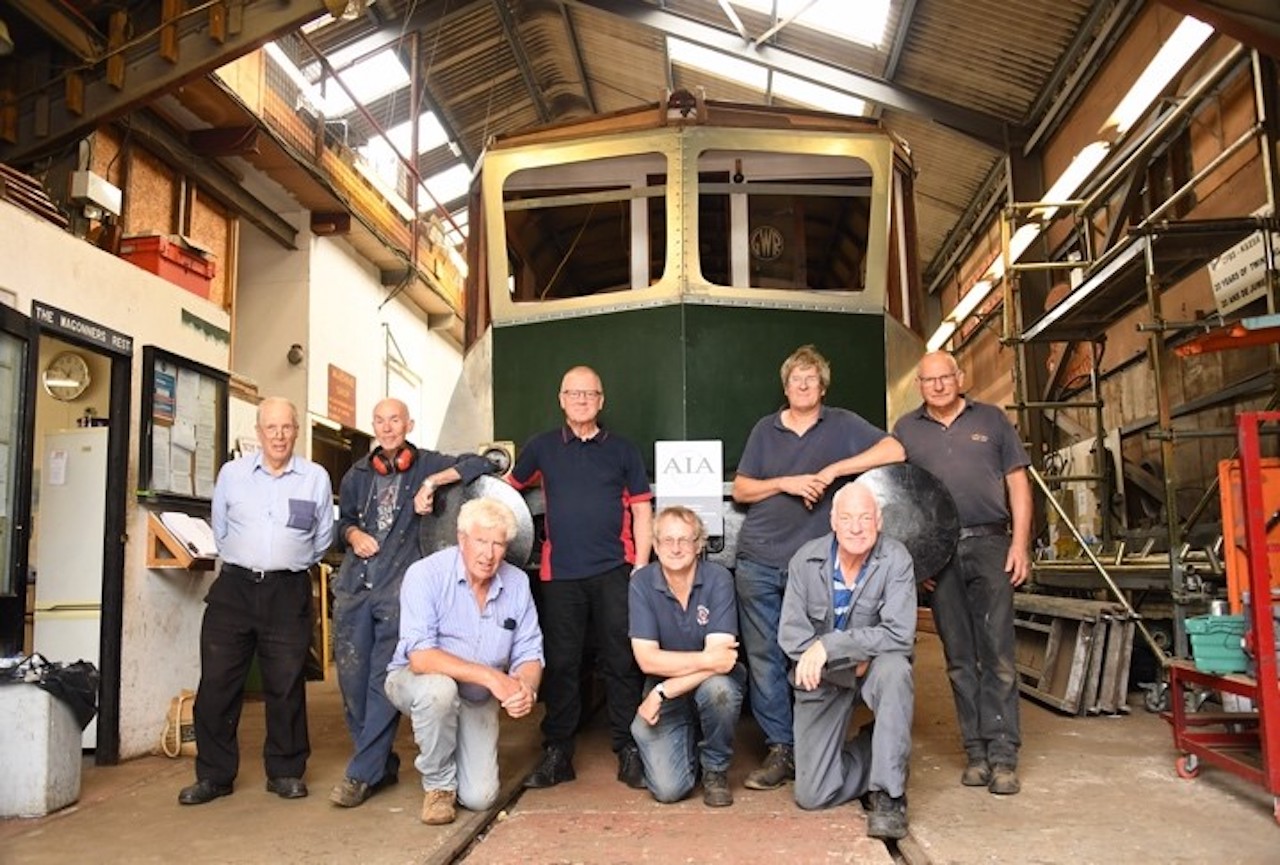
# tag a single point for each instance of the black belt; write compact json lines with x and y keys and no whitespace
{"x":984,"y":530}
{"x":257,"y":575}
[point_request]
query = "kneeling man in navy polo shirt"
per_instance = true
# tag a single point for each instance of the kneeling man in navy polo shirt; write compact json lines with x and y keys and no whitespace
{"x":684,"y":633}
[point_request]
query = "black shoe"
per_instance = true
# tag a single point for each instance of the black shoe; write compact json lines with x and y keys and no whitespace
{"x":203,"y":791}
{"x":630,"y":769}
{"x":888,"y":816}
{"x":778,"y":768}
{"x":555,"y":768}
{"x":287,"y":788}
{"x":715,"y":790}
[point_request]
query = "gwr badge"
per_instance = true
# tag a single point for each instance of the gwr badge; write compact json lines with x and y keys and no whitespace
{"x":766,"y":243}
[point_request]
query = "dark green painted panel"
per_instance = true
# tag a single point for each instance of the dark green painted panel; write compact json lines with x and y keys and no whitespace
{"x":638,"y":354}
{"x":735,"y":355}
{"x":726,"y":359}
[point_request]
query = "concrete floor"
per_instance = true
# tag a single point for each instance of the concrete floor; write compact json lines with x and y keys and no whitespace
{"x":1095,"y":790}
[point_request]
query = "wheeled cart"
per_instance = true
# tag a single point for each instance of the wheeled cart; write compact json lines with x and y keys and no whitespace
{"x":1246,"y":743}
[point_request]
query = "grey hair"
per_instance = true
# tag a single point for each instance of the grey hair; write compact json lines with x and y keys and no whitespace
{"x":835,"y":500}
{"x":487,"y":513}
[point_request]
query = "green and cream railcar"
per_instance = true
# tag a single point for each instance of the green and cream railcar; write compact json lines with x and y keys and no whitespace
{"x":683,"y":251}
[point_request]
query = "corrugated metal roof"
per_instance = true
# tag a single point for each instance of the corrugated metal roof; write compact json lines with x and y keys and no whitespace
{"x":500,"y":66}
{"x":992,"y":55}
{"x":493,"y":67}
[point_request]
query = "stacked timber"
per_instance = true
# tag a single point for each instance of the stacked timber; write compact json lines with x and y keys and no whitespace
{"x":26,"y":192}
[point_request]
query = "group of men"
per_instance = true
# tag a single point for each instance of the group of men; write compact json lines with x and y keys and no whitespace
{"x":825,"y":600}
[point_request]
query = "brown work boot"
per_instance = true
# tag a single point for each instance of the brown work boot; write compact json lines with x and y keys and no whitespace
{"x":438,"y":807}
{"x":778,"y":768}
{"x":350,"y":793}
{"x":1004,"y":780}
{"x":976,"y":774}
{"x":715,"y":790}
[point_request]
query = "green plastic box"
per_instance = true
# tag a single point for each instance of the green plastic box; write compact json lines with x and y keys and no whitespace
{"x":1217,"y":643}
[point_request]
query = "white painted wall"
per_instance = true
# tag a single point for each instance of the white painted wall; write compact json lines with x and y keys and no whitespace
{"x":162,"y":610}
{"x":349,"y":327}
{"x":271,"y":311}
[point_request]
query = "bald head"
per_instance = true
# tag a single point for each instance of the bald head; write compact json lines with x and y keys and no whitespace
{"x":391,"y":423}
{"x":581,"y":398}
{"x":277,"y":431}
{"x":940,"y":381}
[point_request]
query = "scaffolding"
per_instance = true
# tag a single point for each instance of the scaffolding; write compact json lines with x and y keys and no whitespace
{"x":1118,"y":269}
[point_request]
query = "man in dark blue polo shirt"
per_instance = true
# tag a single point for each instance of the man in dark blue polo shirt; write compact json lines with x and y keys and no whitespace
{"x":973,"y":449}
{"x":684,"y":633}
{"x":599,"y":528}
{"x":794,"y":461}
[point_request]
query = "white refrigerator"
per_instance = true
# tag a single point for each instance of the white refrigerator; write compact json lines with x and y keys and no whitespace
{"x":68,"y":565}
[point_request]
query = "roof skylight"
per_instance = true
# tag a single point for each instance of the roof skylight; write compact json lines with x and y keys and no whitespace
{"x":756,"y":77}
{"x":449,"y":185}
{"x":865,"y":27}
{"x":369,"y":79}
{"x":722,"y":65}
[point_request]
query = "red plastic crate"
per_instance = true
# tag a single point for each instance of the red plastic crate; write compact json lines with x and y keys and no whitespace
{"x":171,"y":259}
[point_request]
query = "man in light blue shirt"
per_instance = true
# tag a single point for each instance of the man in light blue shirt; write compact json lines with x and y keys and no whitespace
{"x":272,"y":520}
{"x":469,"y":645}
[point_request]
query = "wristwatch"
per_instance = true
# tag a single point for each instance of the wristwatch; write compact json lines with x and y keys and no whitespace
{"x":661,"y":690}
{"x":429,"y":485}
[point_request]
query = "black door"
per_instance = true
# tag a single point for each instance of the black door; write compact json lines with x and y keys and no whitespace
{"x":17,"y":379}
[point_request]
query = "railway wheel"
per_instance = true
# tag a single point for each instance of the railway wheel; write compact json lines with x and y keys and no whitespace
{"x":1188,"y":767}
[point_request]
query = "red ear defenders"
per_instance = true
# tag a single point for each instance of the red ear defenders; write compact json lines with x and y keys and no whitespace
{"x":401,"y":460}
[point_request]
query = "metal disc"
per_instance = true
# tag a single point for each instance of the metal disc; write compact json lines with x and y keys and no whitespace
{"x":919,"y":512}
{"x":441,"y":530}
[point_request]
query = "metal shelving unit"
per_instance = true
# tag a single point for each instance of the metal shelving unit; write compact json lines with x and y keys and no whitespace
{"x":1124,"y":271}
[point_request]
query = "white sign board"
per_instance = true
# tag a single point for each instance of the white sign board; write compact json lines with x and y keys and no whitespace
{"x":691,"y":473}
{"x":1239,"y":275}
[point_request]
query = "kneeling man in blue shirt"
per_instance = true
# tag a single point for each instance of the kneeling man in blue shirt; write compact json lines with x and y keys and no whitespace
{"x":469,"y":645}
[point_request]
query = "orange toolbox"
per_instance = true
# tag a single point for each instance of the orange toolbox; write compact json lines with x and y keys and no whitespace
{"x":171,"y":257}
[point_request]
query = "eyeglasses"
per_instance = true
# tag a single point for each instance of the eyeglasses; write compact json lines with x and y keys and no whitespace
{"x":581,"y":394}
{"x":277,"y":430}
{"x":804,"y":380}
{"x":934,"y":380}
{"x":677,"y":543}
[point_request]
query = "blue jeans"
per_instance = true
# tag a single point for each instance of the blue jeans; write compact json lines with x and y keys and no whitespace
{"x":365,"y":631}
{"x":760,"y":589}
{"x":671,"y":750}
{"x":973,"y":611}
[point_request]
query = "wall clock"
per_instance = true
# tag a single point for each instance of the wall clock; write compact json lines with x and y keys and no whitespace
{"x":66,"y":377}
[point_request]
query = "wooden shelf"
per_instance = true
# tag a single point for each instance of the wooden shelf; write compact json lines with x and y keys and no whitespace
{"x":166,"y":552}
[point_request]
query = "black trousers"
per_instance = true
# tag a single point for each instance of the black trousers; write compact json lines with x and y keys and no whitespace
{"x":272,"y":619}
{"x":568,"y":609}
